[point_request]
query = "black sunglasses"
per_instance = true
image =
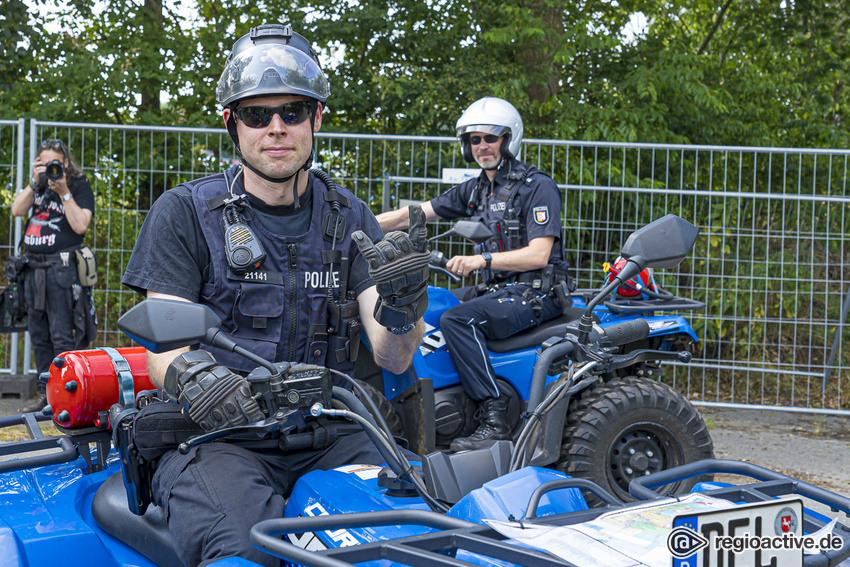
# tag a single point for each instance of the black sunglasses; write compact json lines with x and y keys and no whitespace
{"x":489,"y":138}
{"x":55,"y":145}
{"x":260,"y":116}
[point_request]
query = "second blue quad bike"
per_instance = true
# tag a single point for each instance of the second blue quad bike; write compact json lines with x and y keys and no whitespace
{"x":610,"y":426}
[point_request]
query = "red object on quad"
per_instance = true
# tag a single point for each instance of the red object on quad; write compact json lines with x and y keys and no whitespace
{"x":84,"y":384}
{"x":633,"y":287}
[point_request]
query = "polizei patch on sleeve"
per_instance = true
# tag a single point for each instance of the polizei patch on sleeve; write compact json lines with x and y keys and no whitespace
{"x":541,"y":214}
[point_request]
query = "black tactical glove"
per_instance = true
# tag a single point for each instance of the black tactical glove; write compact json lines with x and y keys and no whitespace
{"x":213,"y":396}
{"x":399,"y":266}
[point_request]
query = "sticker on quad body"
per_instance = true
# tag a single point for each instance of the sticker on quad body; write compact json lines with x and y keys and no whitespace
{"x":311,"y":542}
{"x":363,"y":472}
{"x":432,"y":342}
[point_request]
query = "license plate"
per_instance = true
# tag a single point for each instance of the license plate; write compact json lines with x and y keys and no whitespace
{"x":750,"y":535}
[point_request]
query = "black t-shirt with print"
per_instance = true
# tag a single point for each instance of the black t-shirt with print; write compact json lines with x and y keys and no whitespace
{"x":48,"y":230}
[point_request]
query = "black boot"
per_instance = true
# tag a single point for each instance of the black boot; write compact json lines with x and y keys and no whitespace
{"x":38,"y":403}
{"x":493,"y":427}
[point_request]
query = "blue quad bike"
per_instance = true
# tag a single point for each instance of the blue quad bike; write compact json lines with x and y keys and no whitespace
{"x":612,"y":426}
{"x":82,"y":497}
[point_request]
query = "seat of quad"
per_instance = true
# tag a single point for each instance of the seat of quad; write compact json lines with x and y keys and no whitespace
{"x":147,"y":534}
{"x":556,"y":327}
{"x":460,"y":292}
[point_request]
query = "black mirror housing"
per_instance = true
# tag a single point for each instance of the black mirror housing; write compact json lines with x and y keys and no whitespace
{"x":473,"y":231}
{"x":663,"y":243}
{"x":161,"y":325}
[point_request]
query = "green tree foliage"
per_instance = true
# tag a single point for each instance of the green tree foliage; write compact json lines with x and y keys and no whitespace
{"x":107,"y":62}
{"x":754,"y":73}
{"x":16,"y":59}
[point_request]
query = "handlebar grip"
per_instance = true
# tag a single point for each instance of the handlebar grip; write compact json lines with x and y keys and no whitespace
{"x":438,"y":264}
{"x":438,"y":259}
{"x":297,"y":441}
{"x":628,"y":332}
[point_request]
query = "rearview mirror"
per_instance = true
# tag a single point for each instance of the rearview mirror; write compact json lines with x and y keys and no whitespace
{"x":474,"y":231}
{"x":663,"y":243}
{"x":161,"y":325}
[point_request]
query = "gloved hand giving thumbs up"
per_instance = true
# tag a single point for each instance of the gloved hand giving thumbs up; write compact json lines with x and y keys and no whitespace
{"x":399,"y":266}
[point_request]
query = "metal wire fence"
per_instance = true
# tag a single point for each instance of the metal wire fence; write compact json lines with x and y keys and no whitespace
{"x":770,"y":263}
{"x":11,"y":181}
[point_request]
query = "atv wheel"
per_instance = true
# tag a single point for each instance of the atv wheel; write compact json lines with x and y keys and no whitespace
{"x":384,"y":406}
{"x":628,"y":428}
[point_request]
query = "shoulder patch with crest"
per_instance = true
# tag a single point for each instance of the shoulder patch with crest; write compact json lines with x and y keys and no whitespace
{"x":541,"y":214}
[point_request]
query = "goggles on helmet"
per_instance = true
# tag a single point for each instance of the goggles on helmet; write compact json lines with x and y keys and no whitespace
{"x":271,"y":69}
{"x":481,"y":128}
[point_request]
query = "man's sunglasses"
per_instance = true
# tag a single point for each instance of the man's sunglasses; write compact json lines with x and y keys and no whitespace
{"x":260,"y":116}
{"x":489,"y":138}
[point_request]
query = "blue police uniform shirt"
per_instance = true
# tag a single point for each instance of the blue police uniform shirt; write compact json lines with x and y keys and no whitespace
{"x":538,"y":201}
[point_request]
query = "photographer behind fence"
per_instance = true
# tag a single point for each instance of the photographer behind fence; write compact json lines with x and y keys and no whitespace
{"x":60,"y":308}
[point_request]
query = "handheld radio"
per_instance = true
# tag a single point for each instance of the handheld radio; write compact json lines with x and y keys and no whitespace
{"x":241,"y":246}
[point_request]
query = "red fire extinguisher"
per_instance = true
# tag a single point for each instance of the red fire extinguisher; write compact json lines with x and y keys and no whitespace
{"x":84,"y":384}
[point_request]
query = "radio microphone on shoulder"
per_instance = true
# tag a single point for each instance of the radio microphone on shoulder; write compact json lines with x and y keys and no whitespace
{"x":243,"y":250}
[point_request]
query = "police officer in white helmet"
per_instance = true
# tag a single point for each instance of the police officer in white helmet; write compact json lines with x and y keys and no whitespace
{"x":522,"y":267}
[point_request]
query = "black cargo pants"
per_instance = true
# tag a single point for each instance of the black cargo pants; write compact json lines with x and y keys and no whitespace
{"x":214,"y":494}
{"x":494,"y":315}
{"x":49,"y":292}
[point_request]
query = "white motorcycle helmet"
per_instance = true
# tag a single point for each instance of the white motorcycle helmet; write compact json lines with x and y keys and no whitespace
{"x":491,"y":115}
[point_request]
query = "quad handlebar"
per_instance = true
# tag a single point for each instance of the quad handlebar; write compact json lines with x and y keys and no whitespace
{"x":438,"y":264}
{"x":558,"y":350}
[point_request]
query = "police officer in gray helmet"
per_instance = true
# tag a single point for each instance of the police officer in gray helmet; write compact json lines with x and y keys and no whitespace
{"x":315,"y":254}
{"x":525,"y":279}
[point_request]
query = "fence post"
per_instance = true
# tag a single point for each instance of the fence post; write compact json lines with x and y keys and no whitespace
{"x":33,"y":152}
{"x":836,"y":343}
{"x":385,"y":201}
{"x":19,"y":186}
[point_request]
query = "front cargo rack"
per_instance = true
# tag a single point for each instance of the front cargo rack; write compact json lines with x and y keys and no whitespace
{"x":461,"y":543}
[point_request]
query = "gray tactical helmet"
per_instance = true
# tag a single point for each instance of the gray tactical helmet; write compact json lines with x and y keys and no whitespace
{"x":491,"y":115}
{"x":272,"y":60}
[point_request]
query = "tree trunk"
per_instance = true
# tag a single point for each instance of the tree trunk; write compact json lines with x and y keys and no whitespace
{"x":537,"y":56}
{"x":148,"y":82}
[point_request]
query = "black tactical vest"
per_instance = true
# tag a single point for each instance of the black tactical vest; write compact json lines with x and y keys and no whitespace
{"x":502,"y":215}
{"x":288,"y":309}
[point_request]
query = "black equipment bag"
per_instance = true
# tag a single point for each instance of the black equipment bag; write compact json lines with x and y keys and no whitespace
{"x":160,"y":427}
{"x":13,"y":308}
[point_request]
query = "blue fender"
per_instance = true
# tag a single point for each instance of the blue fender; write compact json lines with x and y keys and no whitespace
{"x":508,"y":496}
{"x":45,"y":518}
{"x":345,"y":490}
{"x":440,"y":300}
{"x":354,"y":488}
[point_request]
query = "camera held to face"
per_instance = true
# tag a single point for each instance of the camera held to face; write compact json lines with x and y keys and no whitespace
{"x":53,"y":171}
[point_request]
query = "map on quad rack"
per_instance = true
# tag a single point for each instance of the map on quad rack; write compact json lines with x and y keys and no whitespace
{"x":688,"y":532}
